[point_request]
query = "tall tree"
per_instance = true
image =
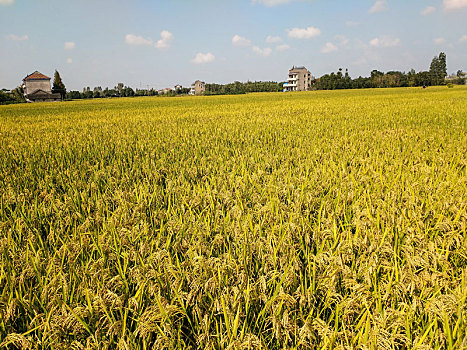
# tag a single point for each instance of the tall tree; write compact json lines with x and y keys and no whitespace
{"x":58,"y":86}
{"x":443,"y":71}
{"x":438,"y":69}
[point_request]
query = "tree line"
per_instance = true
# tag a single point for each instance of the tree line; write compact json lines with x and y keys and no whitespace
{"x":237,"y":87}
{"x":234,"y":88}
{"x":435,"y":76}
{"x":14,"y":96}
{"x":97,"y":92}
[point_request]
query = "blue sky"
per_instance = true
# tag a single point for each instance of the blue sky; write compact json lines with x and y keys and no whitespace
{"x":162,"y":43}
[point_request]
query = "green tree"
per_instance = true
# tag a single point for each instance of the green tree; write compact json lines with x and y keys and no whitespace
{"x":443,"y":71}
{"x":73,"y":95}
{"x":423,"y":79}
{"x":18,"y":94}
{"x":58,"y":86}
{"x":119,"y":89}
{"x":87,"y":93}
{"x":461,"y":77}
{"x":15,"y":96}
{"x":411,"y":77}
{"x":6,"y":98}
{"x":438,"y":69}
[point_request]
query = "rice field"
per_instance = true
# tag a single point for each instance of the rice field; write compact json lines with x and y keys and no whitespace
{"x":319,"y":220}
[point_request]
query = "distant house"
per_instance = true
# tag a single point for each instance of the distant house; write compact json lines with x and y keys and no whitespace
{"x":178,"y":87}
{"x":164,"y":91}
{"x":37,"y":88}
{"x":299,"y":79}
{"x":198,"y":88}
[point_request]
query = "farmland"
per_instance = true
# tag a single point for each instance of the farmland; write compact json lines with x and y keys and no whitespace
{"x":305,"y":220}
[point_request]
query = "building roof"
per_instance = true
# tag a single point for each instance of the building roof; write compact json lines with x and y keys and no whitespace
{"x":40,"y":92}
{"x":297,"y":68}
{"x":36,"y":76}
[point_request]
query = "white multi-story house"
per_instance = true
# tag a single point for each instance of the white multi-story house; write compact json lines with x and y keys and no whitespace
{"x":299,"y":79}
{"x":198,"y":88}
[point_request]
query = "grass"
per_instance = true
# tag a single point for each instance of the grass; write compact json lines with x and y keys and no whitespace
{"x":330,"y":220}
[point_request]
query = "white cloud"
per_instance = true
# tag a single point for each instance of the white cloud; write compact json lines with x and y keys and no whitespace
{"x":69,"y":45}
{"x":262,"y":52}
{"x":439,"y":41}
{"x":164,"y":41}
{"x":271,"y":3}
{"x":304,"y":33}
{"x":352,"y":24}
{"x":16,"y":37}
{"x":463,"y":39}
{"x":69,"y":60}
{"x":343,"y":41}
{"x":454,"y":4}
{"x":282,"y":47}
{"x":329,"y":47}
{"x":203,"y":58}
{"x":379,"y":6}
{"x":428,"y":10}
{"x":132,"y":39}
{"x":273,"y":39}
{"x":7,"y":2}
{"x":385,"y":41}
{"x":238,"y":40}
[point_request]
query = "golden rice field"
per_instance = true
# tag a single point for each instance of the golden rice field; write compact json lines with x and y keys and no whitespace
{"x":320,"y":220}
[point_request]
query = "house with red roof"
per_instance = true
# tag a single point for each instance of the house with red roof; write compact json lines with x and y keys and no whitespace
{"x":37,"y":88}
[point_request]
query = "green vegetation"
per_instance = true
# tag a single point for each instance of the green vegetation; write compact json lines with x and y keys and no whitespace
{"x":237,"y":87}
{"x":58,"y":85}
{"x":438,"y":70}
{"x":330,"y":220}
{"x":11,"y":97}
{"x":435,"y":76}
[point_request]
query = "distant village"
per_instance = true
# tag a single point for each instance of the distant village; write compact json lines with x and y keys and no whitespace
{"x":36,"y":87}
